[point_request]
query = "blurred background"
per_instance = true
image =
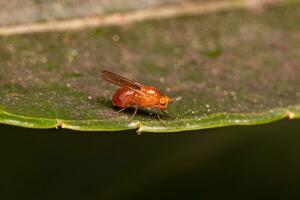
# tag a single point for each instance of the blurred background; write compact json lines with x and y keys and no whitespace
{"x":249,"y":162}
{"x":28,"y":11}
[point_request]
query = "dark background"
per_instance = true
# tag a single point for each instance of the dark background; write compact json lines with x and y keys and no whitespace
{"x":236,"y":162}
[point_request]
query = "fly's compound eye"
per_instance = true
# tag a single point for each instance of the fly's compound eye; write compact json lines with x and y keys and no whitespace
{"x":162,"y":101}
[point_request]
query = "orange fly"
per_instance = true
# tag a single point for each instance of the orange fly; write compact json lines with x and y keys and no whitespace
{"x":135,"y":95}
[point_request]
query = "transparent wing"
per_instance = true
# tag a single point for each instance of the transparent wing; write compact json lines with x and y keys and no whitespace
{"x":120,"y":80}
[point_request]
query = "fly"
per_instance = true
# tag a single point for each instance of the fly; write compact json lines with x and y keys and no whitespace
{"x":135,"y":95}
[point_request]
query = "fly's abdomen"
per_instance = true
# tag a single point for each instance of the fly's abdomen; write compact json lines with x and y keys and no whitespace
{"x":124,"y":98}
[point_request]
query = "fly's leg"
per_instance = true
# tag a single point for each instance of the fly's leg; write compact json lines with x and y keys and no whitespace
{"x":121,"y":110}
{"x":165,"y":113}
{"x":135,"y":111}
{"x":161,"y":121}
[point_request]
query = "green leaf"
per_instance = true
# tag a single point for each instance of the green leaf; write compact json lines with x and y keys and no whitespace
{"x":238,"y":67}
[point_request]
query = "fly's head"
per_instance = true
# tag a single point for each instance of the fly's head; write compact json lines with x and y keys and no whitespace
{"x":163,"y":102}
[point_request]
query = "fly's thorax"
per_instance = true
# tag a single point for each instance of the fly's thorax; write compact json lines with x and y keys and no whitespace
{"x":151,"y":91}
{"x":149,"y":96}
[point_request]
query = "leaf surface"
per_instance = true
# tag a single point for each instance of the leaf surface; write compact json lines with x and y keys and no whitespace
{"x":238,"y":67}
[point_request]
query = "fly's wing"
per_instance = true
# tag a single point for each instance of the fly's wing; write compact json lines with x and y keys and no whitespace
{"x":120,"y":81}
